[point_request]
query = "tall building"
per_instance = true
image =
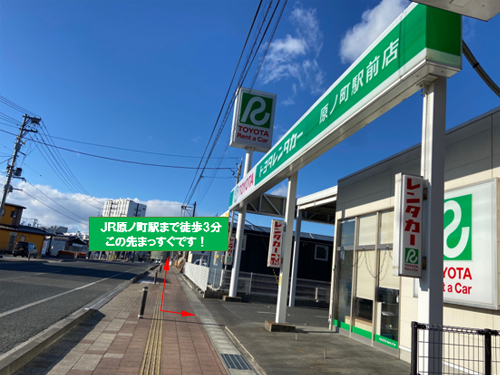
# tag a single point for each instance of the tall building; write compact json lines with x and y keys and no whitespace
{"x":123,"y":208}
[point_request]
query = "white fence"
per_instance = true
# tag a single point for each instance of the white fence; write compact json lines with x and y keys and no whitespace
{"x":197,"y":274}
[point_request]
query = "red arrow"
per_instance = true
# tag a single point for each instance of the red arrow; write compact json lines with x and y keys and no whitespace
{"x":183,"y":313}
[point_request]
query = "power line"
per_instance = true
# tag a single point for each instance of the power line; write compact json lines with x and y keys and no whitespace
{"x":15,"y":106}
{"x":45,"y":143}
{"x":242,"y":78}
{"x":187,"y":200}
{"x":53,"y":209}
{"x":55,"y":201}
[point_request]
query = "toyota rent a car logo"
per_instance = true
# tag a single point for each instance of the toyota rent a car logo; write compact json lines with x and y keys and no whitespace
{"x":256,"y":110}
{"x":458,"y":228}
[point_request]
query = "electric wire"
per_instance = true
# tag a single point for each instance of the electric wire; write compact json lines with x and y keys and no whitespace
{"x":45,"y":143}
{"x":53,"y":209}
{"x":226,"y":144}
{"x":71,"y":212}
{"x":243,"y":75}
{"x":479,"y":69}
{"x":16,"y":107}
{"x":187,"y":200}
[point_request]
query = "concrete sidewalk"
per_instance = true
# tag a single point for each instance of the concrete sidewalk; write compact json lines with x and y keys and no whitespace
{"x":219,"y":340}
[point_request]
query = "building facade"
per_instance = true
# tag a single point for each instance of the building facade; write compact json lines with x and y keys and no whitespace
{"x":123,"y":208}
{"x":372,"y":305}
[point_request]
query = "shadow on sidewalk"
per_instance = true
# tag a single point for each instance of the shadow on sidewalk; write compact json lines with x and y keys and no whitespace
{"x":45,"y":362}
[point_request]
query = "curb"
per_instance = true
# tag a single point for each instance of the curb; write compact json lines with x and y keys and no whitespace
{"x":19,"y":356}
{"x":16,"y":358}
{"x":248,"y":356}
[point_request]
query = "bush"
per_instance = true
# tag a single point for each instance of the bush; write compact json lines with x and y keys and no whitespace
{"x":81,"y":254}
{"x":66,"y":254}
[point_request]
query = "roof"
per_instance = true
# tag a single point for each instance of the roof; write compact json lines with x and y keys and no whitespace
{"x":14,"y":205}
{"x":303,"y":235}
{"x":25,"y":229}
{"x":73,"y":239}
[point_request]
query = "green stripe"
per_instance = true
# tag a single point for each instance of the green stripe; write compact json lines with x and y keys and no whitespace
{"x":362,"y":332}
{"x":386,"y":341}
{"x":345,"y":326}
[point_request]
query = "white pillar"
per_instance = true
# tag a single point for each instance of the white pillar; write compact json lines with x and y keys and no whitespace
{"x":287,"y":250}
{"x":240,"y":229}
{"x":430,"y":294}
{"x":296,"y":250}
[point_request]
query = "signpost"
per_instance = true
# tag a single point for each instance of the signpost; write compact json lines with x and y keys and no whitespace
{"x":253,"y":120}
{"x":275,"y":243}
{"x":408,"y":203}
{"x":424,"y":43}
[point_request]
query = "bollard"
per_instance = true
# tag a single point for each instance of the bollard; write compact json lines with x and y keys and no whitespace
{"x":325,"y":353}
{"x":295,"y":337}
{"x":143,"y":303}
{"x":156,"y":276}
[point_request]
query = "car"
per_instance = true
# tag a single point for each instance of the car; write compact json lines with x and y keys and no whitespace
{"x":25,"y":249}
{"x":201,"y":262}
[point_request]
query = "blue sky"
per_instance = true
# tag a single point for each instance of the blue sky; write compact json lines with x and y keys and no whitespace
{"x":152,"y":76}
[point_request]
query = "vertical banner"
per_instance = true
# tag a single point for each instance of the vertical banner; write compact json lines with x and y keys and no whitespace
{"x":408,"y":203}
{"x":230,"y":249}
{"x":275,"y":244}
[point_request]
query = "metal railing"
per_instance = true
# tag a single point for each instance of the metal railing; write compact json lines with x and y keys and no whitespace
{"x":444,"y":350}
{"x":252,"y":283}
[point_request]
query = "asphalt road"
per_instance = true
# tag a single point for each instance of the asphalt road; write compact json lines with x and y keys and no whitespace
{"x":36,"y":294}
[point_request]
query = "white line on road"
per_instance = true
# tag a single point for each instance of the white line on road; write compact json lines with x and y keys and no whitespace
{"x":59,"y":295}
{"x":265,"y":312}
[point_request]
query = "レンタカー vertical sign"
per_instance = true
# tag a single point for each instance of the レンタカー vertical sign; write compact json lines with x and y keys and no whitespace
{"x":253,"y":120}
{"x":158,"y":233}
{"x":230,"y":249}
{"x":275,"y":243}
{"x":408,"y":203}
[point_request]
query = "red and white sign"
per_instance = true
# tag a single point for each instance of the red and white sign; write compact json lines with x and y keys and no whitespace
{"x":275,"y":243}
{"x":230,"y":250}
{"x":408,"y":204}
{"x":244,"y":186}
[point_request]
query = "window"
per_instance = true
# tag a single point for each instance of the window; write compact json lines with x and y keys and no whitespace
{"x":347,"y":236}
{"x":13,"y":214}
{"x":367,"y":230}
{"x":321,"y":252}
{"x":386,"y":227}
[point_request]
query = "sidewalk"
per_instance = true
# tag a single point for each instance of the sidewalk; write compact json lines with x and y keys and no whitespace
{"x":114,"y":341}
{"x":222,"y":339}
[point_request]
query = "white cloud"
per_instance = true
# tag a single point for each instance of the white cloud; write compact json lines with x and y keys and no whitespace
{"x":281,"y":189}
{"x":373,"y":23}
{"x":294,"y":57}
{"x":72,"y":210}
{"x":288,"y":102}
{"x":196,"y":139}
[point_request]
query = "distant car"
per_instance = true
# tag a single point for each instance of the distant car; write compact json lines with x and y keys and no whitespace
{"x":199,"y":262}
{"x":24,"y":249}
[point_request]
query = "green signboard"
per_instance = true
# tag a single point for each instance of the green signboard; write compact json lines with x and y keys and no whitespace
{"x":423,"y":41}
{"x":158,"y":233}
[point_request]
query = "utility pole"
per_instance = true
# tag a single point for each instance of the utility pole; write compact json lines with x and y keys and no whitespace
{"x":231,"y":225}
{"x":10,"y":167}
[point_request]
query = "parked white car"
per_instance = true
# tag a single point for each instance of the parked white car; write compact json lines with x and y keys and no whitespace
{"x":200,"y":262}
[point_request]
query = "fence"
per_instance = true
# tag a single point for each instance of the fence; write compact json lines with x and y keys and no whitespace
{"x":197,"y":274}
{"x":267,"y":285}
{"x":444,"y":350}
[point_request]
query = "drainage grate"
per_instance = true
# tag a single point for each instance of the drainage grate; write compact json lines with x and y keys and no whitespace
{"x":235,"y":361}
